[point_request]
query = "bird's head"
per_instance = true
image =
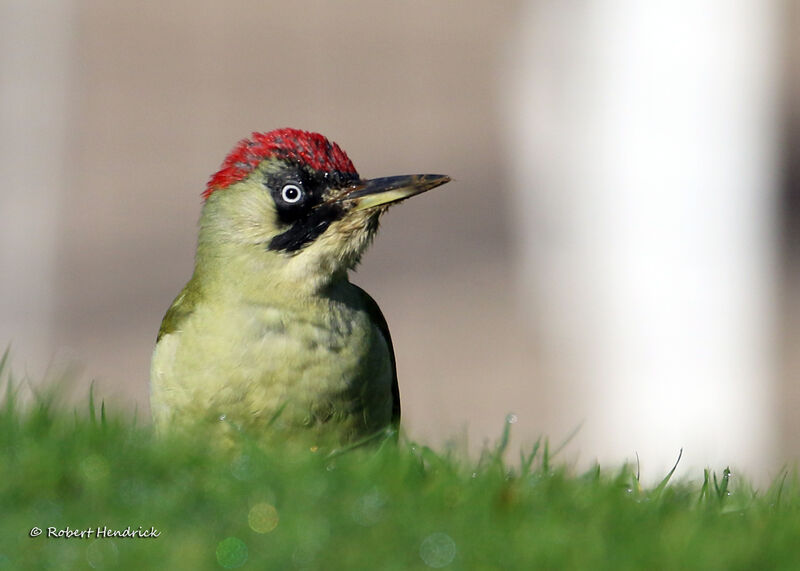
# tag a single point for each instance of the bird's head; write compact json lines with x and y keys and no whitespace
{"x":292,"y":204}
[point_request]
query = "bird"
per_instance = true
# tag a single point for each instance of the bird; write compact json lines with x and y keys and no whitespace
{"x":269,"y":337}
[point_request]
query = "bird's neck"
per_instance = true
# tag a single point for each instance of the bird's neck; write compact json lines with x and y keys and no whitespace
{"x":250,"y":272}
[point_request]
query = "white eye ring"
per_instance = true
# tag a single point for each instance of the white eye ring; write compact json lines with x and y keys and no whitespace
{"x":291,"y":193}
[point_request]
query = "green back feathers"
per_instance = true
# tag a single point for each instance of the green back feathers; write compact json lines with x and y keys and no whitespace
{"x":179,"y":311}
{"x":380,"y":321}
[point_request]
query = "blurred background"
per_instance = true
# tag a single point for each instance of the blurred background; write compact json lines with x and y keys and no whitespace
{"x":617,"y":255}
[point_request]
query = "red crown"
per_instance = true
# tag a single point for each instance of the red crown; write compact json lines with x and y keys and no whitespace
{"x":307,"y":148}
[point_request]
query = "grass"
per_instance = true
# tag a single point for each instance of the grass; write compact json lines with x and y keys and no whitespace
{"x":401,"y":506}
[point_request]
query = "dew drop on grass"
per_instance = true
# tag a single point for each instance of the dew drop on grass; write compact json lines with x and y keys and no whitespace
{"x":231,"y":553}
{"x":369,"y":508}
{"x":94,"y":468}
{"x":511,"y":419}
{"x":263,"y":518}
{"x":437,"y":550}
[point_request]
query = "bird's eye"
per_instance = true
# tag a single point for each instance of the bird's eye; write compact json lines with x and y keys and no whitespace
{"x":291,"y":193}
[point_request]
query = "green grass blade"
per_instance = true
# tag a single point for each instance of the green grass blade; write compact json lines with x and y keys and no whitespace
{"x":663,"y":484}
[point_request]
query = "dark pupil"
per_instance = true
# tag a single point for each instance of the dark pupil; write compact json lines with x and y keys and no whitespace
{"x":291,"y":193}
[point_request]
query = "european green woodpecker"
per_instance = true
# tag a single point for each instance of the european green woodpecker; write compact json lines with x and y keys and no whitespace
{"x":269,"y":334}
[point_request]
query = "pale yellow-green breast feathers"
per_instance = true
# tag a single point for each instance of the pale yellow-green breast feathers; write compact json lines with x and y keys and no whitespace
{"x":321,"y":369}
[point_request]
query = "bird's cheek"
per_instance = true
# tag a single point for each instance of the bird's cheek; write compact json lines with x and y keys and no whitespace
{"x":252,"y":219}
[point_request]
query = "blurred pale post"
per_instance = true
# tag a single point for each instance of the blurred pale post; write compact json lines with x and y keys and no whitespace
{"x":644,"y":158}
{"x":35,"y":64}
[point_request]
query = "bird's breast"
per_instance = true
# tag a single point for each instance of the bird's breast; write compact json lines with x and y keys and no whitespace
{"x":317,"y":365}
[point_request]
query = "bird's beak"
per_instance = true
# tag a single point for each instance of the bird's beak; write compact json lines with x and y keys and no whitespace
{"x":375,"y":192}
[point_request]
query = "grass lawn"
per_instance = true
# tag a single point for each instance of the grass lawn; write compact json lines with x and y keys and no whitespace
{"x":393,"y":506}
